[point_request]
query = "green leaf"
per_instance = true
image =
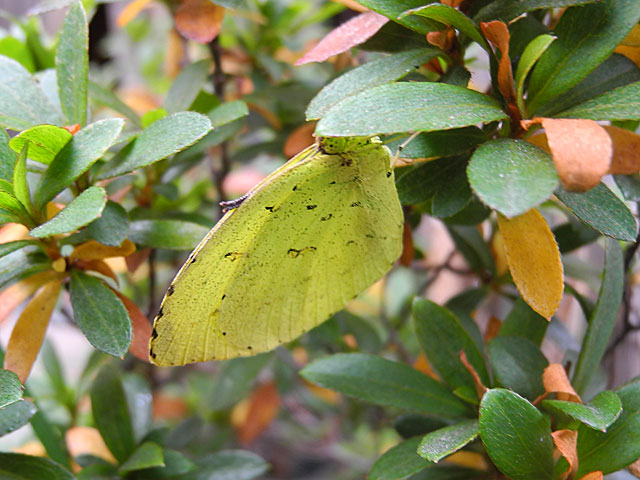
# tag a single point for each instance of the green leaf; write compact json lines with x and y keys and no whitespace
{"x":629,"y":185}
{"x":45,"y":141}
{"x":573,"y":235}
{"x":175,"y":463}
{"x":72,"y":64}
{"x":620,"y":446}
{"x":408,"y":107}
{"x":601,"y":411}
{"x":369,"y":337}
{"x":384,"y":382}
{"x":107,"y":98}
{"x":523,"y":321}
{"x":51,"y":438}
{"x":442,"y":338}
{"x":399,"y":462}
{"x":228,"y":112}
{"x":16,"y":466}
{"x":152,"y":116}
{"x":512,"y":176}
{"x":444,"y":143}
{"x":516,"y":435}
{"x":8,"y":157}
{"x":111,"y":413}
{"x":14,"y":209}
{"x":7,"y":248}
{"x":473,"y":248}
{"x":84,"y":149}
{"x":21,"y":263}
{"x":393,"y":38}
{"x":186,"y":86}
{"x":602,"y":210}
{"x":227,"y":465}
{"x":147,"y":455}
{"x":20,"y":185}
{"x":10,"y":388}
{"x":518,"y":365}
{"x":412,"y":424}
{"x":81,"y":211}
{"x":530,"y":56}
{"x":422,"y":182}
{"x":441,"y":443}
{"x":23,"y":104}
{"x":14,"y":416}
{"x":112,"y":227}
{"x":392,"y":9}
{"x":369,"y":75}
{"x":138,"y":393}
{"x":507,"y":10}
{"x":171,"y":234}
{"x":450,"y":472}
{"x":603,"y":318}
{"x":453,"y":195}
{"x":623,"y":103}
{"x":587,"y":35}
{"x":100,"y":314}
{"x":616,"y":71}
{"x":162,"y":138}
{"x":243,"y":371}
{"x":13,"y":48}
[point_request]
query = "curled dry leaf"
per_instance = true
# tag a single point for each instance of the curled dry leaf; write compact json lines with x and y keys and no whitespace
{"x":299,"y":139}
{"x":555,"y":380}
{"x":93,"y":250}
{"x":28,"y":332}
{"x":581,"y":150}
{"x":635,"y":468}
{"x":566,"y":442}
{"x":498,"y":34}
{"x":87,"y":441}
{"x":17,"y":293}
{"x":97,"y":266}
{"x":199,"y":20}
{"x":140,"y":326}
{"x":262,"y":409}
{"x":442,"y":39}
{"x":534,"y":261}
{"x":493,"y":327}
{"x":626,"y":151}
{"x":137,"y":258}
{"x":592,"y":476}
{"x":349,"y":34}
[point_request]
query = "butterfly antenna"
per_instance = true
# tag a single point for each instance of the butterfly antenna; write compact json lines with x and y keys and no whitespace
{"x":402,"y":146}
{"x":233,"y":204}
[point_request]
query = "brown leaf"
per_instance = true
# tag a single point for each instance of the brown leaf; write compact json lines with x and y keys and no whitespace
{"x":632,"y":53}
{"x":626,"y":151}
{"x":592,"y":476}
{"x":87,"y":441}
{"x":131,"y":11}
{"x":492,"y":329}
{"x":93,"y":250}
{"x":498,"y":34}
{"x":270,"y":117}
{"x":262,"y":410}
{"x":555,"y":380}
{"x":352,"y":5}
{"x":566,"y":442}
{"x":422,"y":365}
{"x":442,"y":39}
{"x":299,"y":139}
{"x":581,"y":150}
{"x":140,"y":326}
{"x":169,"y":407}
{"x":17,"y":293}
{"x":480,"y":388}
{"x":175,"y":52}
{"x":348,"y":35}
{"x":72,"y":129}
{"x":97,"y":266}
{"x":137,"y":258}
{"x":28,"y":332}
{"x":408,"y":249}
{"x":199,"y":20}
{"x":635,"y":468}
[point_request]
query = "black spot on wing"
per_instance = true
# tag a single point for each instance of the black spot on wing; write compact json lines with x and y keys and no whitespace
{"x":328,"y":217}
{"x":270,"y":209}
{"x":356,"y":204}
{"x":351,"y":242}
{"x":332,"y":183}
{"x":294,"y":252}
{"x":170,"y":290}
{"x":233,"y":256}
{"x":388,"y":174}
{"x":154,"y":334}
{"x":311,"y":207}
{"x":152,"y":355}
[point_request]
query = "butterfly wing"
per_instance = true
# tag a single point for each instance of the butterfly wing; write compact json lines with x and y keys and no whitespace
{"x":303,"y":244}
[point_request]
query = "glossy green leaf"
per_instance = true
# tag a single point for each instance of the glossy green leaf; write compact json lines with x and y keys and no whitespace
{"x":421,"y":182}
{"x":228,"y":112}
{"x":603,"y":318}
{"x":573,"y":235}
{"x":138,"y":393}
{"x":227,"y":465}
{"x":14,"y":208}
{"x":112,"y":227}
{"x":450,"y":472}
{"x":84,"y":149}
{"x":444,"y":143}
{"x":175,"y":464}
{"x":616,"y":71}
{"x":244,"y":372}
{"x":8,"y":157}
{"x":186,"y":86}
{"x":443,"y":442}
{"x":392,"y":9}
{"x":147,"y":455}
{"x":14,"y":416}
{"x":623,"y":103}
{"x":81,"y":211}
{"x":512,"y":176}
{"x":518,"y":365}
{"x":164,"y":137}
{"x":473,"y":248}
{"x":171,"y":234}
{"x":629,"y":185}
{"x":602,"y":210}
{"x":620,"y":445}
{"x":601,"y":411}
{"x":13,"y":48}
{"x":452,"y":196}
{"x":587,"y":35}
{"x":110,"y":411}
{"x":23,"y":104}
{"x":16,"y":466}
{"x":384,"y":382}
{"x":412,"y":424}
{"x":530,"y":56}
{"x":51,"y":438}
{"x":523,"y":321}
{"x":516,"y":435}
{"x":21,"y":263}
{"x":369,"y":75}
{"x":100,"y":314}
{"x":408,"y":107}
{"x":393,"y":38}
{"x":107,"y":98}
{"x":399,"y":462}
{"x":442,"y":338}
{"x":20,"y":185}
{"x":45,"y":141}
{"x":507,"y":10}
{"x":10,"y":388}
{"x":72,"y":64}
{"x":152,"y":116}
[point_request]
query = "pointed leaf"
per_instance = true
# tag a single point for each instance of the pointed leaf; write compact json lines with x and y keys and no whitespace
{"x":10,"y":388}
{"x":601,"y":411}
{"x":399,"y":462}
{"x":393,"y":9}
{"x":14,"y":416}
{"x":107,"y":98}
{"x":408,"y":107}
{"x":623,"y":103}
{"x":20,"y":185}
{"x":147,"y":455}
{"x":436,"y":445}
{"x":45,"y":141}
{"x":530,"y":56}
{"x":8,"y":157}
{"x":228,"y":112}
{"x":27,"y":467}
{"x":111,"y":227}
{"x":228,"y":464}
{"x":507,"y":10}
{"x":523,"y":321}
{"x":186,"y":86}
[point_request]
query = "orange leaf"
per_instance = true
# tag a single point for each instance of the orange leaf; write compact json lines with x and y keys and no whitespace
{"x":199,"y":20}
{"x":422,"y":365}
{"x":72,"y":129}
{"x":555,"y":380}
{"x":87,"y":441}
{"x":635,"y":468}
{"x":17,"y":293}
{"x":626,"y":151}
{"x":175,"y":53}
{"x":97,"y":266}
{"x":352,"y":4}
{"x":592,"y":476}
{"x":480,"y":388}
{"x":442,"y":39}
{"x":140,"y":326}
{"x":633,"y":37}
{"x":168,"y":407}
{"x":408,"y":250}
{"x":93,"y":250}
{"x":28,"y":332}
{"x":299,"y":139}
{"x":263,"y":408}
{"x":534,"y":260}
{"x":492,"y":328}
{"x":131,"y":11}
{"x":498,"y":34}
{"x":349,"y":34}
{"x":330,"y":396}
{"x":632,"y":53}
{"x":13,"y":231}
{"x":452,"y":3}
{"x":566,"y":443}
{"x":581,"y":150}
{"x":136,"y":259}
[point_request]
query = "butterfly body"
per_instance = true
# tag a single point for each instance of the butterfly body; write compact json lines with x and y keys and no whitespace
{"x":304,"y":242}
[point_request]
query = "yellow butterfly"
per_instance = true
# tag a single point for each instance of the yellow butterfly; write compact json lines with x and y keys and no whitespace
{"x":304,"y":241}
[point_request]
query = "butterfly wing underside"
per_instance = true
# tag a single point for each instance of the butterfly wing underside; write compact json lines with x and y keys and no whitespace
{"x":294,"y":252}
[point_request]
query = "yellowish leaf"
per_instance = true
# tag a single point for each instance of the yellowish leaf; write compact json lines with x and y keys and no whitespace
{"x":592,"y":476}
{"x":131,"y":11}
{"x":28,"y":332}
{"x":566,"y":443}
{"x":633,"y":37}
{"x":264,"y":404}
{"x":17,"y":293}
{"x":555,"y":380}
{"x":626,"y":151}
{"x":87,"y":441}
{"x":534,"y":260}
{"x":93,"y":250}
